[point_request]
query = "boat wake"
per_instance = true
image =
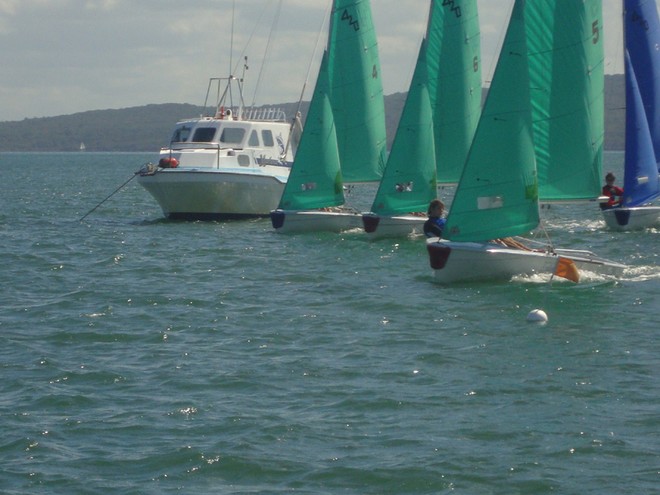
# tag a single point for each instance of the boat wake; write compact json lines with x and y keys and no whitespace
{"x":642,"y":273}
{"x":587,"y":279}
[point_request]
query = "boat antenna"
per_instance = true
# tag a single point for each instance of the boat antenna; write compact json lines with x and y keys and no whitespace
{"x":231,"y":39}
{"x":241,"y":103}
{"x":234,"y":69}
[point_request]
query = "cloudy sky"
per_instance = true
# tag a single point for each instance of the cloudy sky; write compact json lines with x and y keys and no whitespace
{"x":65,"y":56}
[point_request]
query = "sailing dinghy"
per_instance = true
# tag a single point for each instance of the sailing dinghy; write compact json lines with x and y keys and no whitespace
{"x":641,"y":184}
{"x":409,"y":181}
{"x":498,"y":193}
{"x":437,"y":123}
{"x":353,"y":89}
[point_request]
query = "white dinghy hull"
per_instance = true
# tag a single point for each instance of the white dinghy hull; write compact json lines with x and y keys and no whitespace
{"x":634,"y":218}
{"x":380,"y":227}
{"x":300,"y":221}
{"x":586,"y":261}
{"x":476,"y":261}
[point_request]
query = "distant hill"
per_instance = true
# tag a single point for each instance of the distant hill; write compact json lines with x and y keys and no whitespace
{"x":148,"y":128}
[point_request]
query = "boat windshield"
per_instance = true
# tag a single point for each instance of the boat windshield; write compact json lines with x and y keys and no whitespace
{"x":232,"y":135}
{"x":181,"y":134}
{"x":204,"y":134}
{"x":267,"y":136}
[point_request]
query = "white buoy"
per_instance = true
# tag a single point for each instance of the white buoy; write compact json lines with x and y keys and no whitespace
{"x":537,"y":316}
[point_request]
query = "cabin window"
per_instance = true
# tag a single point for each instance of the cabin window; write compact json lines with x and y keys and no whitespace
{"x":243,"y":160}
{"x":254,"y":139}
{"x":232,"y":135}
{"x":181,"y":134}
{"x":204,"y":135}
{"x":267,"y":136}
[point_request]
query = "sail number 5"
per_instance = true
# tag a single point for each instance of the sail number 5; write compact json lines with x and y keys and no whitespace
{"x":595,"y":31}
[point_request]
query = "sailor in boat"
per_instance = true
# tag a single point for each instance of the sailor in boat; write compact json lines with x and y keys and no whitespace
{"x":614,"y":193}
{"x":436,"y":223}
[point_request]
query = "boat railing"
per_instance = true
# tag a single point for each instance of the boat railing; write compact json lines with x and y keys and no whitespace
{"x":269,"y":114}
{"x":183,"y":146}
{"x":221,"y":150}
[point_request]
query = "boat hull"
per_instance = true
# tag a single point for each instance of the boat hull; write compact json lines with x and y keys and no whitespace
{"x":474,"y":261}
{"x":636,"y":218}
{"x":379,"y":227}
{"x":197,"y":194}
{"x":293,"y":221}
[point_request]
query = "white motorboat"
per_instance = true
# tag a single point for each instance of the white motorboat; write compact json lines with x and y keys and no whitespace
{"x":233,"y":164}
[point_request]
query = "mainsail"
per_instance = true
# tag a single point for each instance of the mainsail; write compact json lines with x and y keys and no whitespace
{"x":565,"y":51}
{"x":409,"y":181}
{"x":497,"y":195}
{"x":453,"y":60}
{"x":642,"y":38}
{"x":356,"y":93}
{"x":315,"y":180}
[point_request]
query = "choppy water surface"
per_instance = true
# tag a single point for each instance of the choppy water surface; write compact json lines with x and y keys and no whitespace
{"x":140,"y":355}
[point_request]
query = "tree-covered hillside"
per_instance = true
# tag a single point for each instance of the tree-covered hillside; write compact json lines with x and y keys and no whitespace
{"x":148,"y":128}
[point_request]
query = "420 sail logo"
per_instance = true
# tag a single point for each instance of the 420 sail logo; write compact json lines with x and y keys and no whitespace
{"x":345,"y":16}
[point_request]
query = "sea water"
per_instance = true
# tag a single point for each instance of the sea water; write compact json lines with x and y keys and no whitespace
{"x":145,"y":356}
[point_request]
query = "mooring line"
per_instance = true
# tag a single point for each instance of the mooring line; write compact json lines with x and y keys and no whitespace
{"x":113,"y":193}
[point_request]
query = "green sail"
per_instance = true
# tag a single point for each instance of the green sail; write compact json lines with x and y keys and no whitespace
{"x":409,"y":180}
{"x":357,"y":91}
{"x":454,"y":68}
{"x":497,"y":195}
{"x":315,"y":180}
{"x":567,"y":91}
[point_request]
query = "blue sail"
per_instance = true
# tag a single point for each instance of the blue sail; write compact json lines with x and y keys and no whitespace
{"x":641,"y":175}
{"x":642,"y":38}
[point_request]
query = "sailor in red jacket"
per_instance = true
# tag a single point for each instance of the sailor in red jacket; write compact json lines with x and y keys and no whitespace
{"x":615,"y":193}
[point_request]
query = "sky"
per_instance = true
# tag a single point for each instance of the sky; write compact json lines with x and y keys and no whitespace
{"x":61,"y":57}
